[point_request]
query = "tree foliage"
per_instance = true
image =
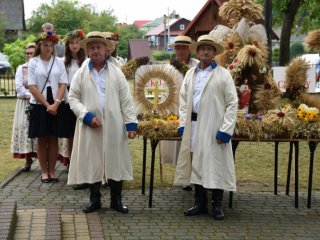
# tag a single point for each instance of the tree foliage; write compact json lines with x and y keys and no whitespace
{"x":2,"y":29}
{"x":127,"y":32}
{"x":294,"y":16}
{"x":68,"y":15}
{"x":16,"y":51}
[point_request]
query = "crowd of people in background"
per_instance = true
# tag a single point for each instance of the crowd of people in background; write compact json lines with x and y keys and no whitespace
{"x":76,"y":91}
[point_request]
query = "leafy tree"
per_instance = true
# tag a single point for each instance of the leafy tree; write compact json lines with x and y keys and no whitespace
{"x":15,"y":51}
{"x":68,"y":15}
{"x":127,"y":32}
{"x":299,"y":16}
{"x":2,"y":29}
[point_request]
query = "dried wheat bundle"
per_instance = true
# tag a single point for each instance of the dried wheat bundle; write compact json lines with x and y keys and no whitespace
{"x":231,"y":45}
{"x":280,"y":122}
{"x":220,"y":32}
{"x":267,"y":97}
{"x":180,"y":66}
{"x":250,"y":56}
{"x":312,"y":41}
{"x":250,"y":126}
{"x":233,"y":10}
{"x":158,"y":128}
{"x":310,"y":100}
{"x":295,"y":82}
{"x":130,"y":67}
{"x":162,"y":72}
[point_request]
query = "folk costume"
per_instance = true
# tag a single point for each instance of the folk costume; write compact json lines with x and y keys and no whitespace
{"x":208,"y":109}
{"x":21,"y":145}
{"x":169,"y":150}
{"x":101,"y":154}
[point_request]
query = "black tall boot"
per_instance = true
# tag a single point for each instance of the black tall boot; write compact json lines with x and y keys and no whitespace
{"x":95,"y":198}
{"x":116,"y":198}
{"x":217,"y":196}
{"x":200,"y":202}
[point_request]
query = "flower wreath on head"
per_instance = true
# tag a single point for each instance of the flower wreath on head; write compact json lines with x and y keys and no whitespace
{"x":74,"y":34}
{"x":115,"y":36}
{"x":50,"y":36}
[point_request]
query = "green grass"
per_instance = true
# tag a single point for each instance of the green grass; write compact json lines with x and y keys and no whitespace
{"x":254,"y":161}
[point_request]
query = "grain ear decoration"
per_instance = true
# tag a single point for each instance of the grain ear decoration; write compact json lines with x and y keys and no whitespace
{"x":296,"y":76}
{"x":310,"y":100}
{"x":312,"y":41}
{"x":267,"y":97}
{"x":232,"y":11}
{"x":231,"y":45}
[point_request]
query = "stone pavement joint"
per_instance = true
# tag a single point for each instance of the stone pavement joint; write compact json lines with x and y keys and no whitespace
{"x":43,"y":209}
{"x":8,"y":218}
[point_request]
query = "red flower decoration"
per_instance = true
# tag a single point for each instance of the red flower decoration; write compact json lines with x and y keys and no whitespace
{"x":280,"y":114}
{"x":267,"y":86}
{"x":230,"y":67}
{"x":252,"y":53}
{"x":116,"y":36}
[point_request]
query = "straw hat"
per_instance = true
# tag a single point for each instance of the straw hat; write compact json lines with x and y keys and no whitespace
{"x":95,"y":37}
{"x":31,"y":45}
{"x":111,"y":36}
{"x":206,"y":40}
{"x":181,"y":40}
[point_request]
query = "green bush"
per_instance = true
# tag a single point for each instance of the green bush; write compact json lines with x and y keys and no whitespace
{"x":296,"y":49}
{"x":161,"y":55}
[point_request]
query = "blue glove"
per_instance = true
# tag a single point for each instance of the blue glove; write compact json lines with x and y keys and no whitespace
{"x":180,"y":131}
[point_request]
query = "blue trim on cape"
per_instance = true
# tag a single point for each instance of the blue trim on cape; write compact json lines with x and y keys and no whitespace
{"x":224,"y":137}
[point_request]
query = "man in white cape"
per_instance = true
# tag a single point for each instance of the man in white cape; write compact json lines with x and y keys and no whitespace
{"x":100,"y":98}
{"x":208,"y":110}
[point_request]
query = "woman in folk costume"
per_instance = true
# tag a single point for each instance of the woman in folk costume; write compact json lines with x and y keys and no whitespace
{"x":169,"y":150}
{"x":47,"y":79}
{"x":21,"y":145}
{"x":208,"y":110}
{"x":100,"y":97}
{"x":74,"y":56}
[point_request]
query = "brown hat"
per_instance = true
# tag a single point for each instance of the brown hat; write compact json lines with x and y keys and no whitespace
{"x":95,"y":37}
{"x":206,"y":40}
{"x":181,"y":40}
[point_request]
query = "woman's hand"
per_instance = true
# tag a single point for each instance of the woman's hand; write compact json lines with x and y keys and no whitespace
{"x":53,"y":108}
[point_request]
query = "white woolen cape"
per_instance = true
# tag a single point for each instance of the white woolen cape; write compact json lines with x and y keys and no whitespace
{"x":212,"y":165}
{"x":101,"y":153}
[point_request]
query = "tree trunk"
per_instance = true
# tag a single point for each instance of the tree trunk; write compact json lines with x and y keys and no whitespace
{"x":288,"y":20}
{"x":268,"y":26}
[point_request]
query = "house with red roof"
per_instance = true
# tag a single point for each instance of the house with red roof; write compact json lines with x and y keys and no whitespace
{"x":164,"y":34}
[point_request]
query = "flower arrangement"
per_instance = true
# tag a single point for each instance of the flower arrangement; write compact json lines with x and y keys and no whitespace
{"x":308,"y":114}
{"x":74,"y":34}
{"x":47,"y":36}
{"x":158,"y":126}
{"x":131,"y":66}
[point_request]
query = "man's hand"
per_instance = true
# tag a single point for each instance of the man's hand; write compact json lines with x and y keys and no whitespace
{"x":95,"y":123}
{"x":132,"y":134}
{"x":220,"y":142}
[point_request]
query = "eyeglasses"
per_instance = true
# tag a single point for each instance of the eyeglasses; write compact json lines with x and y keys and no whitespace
{"x":29,"y":53}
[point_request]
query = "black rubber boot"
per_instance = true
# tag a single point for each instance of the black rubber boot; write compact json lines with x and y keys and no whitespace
{"x":81,"y":186}
{"x":217,"y":196}
{"x":116,"y":198}
{"x":200,"y":202}
{"x":95,"y":198}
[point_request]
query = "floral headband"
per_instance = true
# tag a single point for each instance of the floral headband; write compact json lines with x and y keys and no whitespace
{"x":74,"y":34}
{"x":115,"y":36}
{"x":50,"y":36}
